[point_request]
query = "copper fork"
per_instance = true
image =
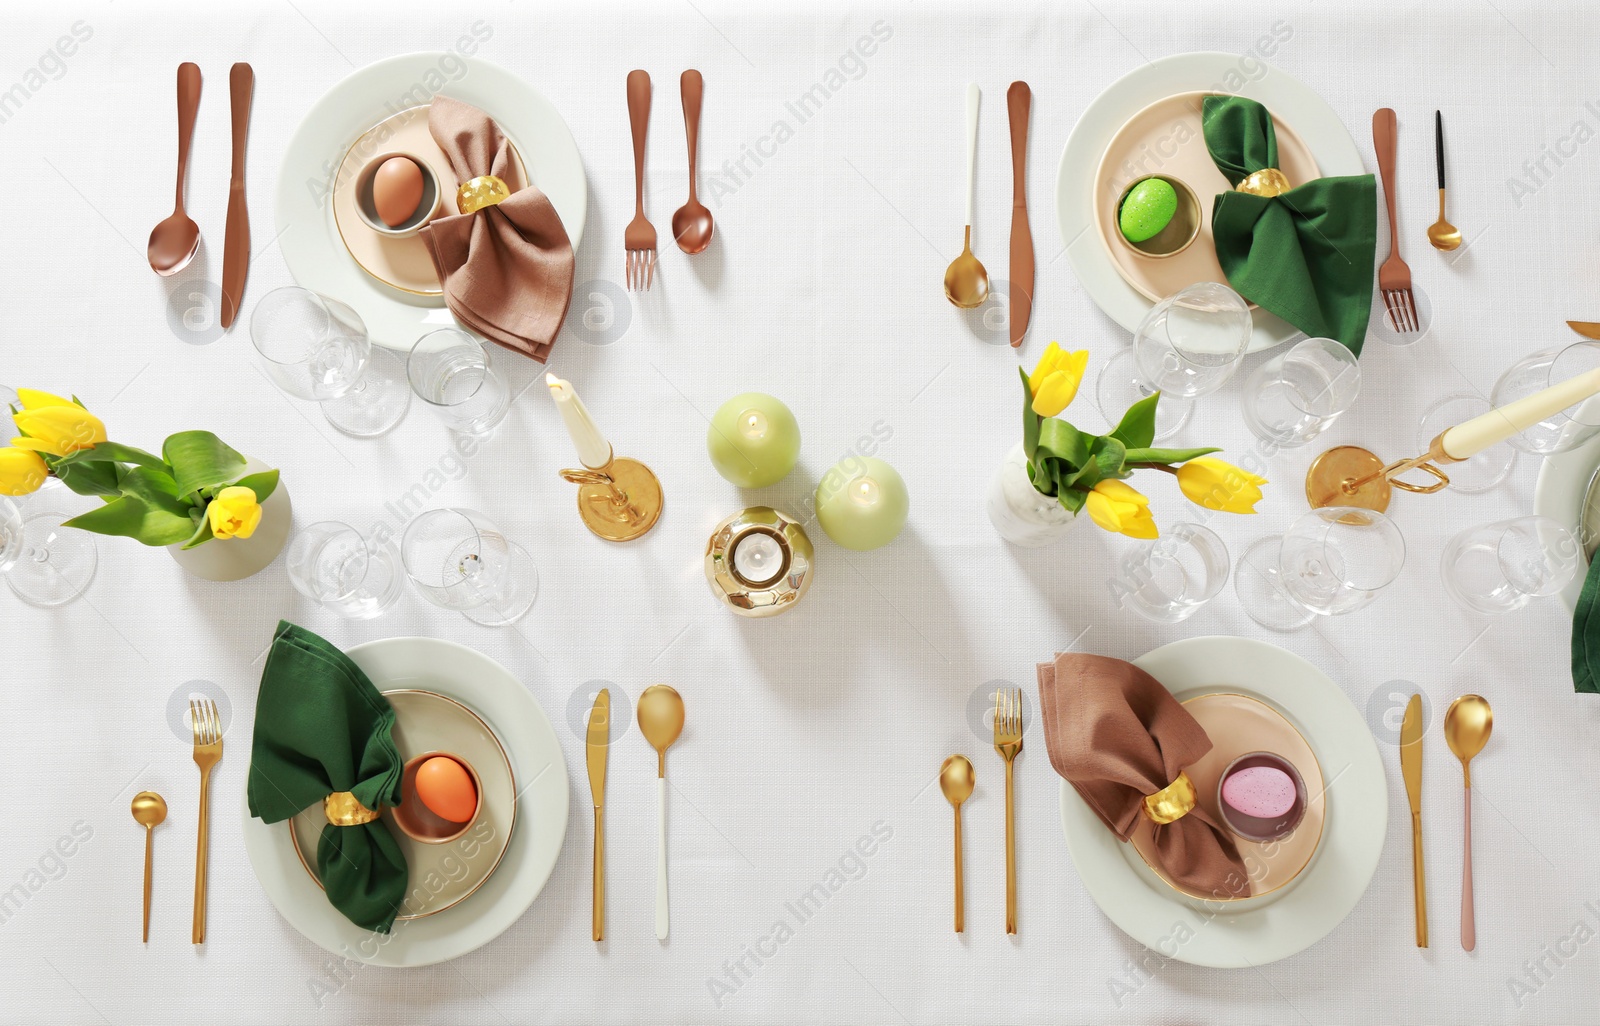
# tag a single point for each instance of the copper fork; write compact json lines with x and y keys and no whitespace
{"x":207,"y":753}
{"x":639,"y":238}
{"x":1008,"y":742}
{"x":1394,"y":277}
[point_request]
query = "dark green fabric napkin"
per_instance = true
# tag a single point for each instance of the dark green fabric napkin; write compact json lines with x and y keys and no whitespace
{"x":322,"y":727}
{"x":1306,"y":255}
{"x":1586,"y":635}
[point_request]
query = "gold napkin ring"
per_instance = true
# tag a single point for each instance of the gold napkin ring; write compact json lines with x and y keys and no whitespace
{"x":1172,"y":802}
{"x":482,"y":191}
{"x":1268,"y":182}
{"x":344,"y":809}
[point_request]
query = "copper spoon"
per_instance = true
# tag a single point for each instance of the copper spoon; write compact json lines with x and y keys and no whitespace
{"x":966,"y":283}
{"x":174,"y":241}
{"x":1441,"y":233}
{"x":691,"y":225}
{"x":1466,"y":730}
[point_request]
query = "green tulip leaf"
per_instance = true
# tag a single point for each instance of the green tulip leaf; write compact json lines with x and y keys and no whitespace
{"x":114,"y":451}
{"x":202,"y":533}
{"x":102,"y":479}
{"x":200,"y":459}
{"x":156,"y":488}
{"x":1073,"y":499}
{"x":1167,"y":455}
{"x":132,"y":517}
{"x":263,"y":484}
{"x":1138,"y":427}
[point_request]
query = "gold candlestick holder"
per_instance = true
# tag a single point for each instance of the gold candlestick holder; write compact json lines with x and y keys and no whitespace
{"x":620,"y":501}
{"x":1348,"y":475}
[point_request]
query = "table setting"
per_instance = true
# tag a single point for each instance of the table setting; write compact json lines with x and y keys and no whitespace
{"x":512,"y":441}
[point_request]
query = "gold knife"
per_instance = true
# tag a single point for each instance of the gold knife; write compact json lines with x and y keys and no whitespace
{"x":1019,"y":102}
{"x":1411,"y":771}
{"x":1588,"y":329}
{"x":236,"y":244}
{"x":599,"y":743}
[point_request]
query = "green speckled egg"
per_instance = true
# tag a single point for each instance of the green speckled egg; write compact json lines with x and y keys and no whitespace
{"x":1148,"y":208}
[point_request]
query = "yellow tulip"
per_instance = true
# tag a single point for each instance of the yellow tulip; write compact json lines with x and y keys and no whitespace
{"x":1219,"y":485}
{"x":55,"y":425}
{"x":234,"y":513}
{"x":22,"y":471}
{"x":1055,"y":380}
{"x":1121,"y":509}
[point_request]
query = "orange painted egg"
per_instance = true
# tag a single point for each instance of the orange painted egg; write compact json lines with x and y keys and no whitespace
{"x":446,"y":789}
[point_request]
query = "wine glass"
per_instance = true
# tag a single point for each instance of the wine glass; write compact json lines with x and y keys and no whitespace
{"x":43,"y":563}
{"x":1495,"y":568}
{"x":1568,"y":428}
{"x":314,"y":347}
{"x":1294,"y":397}
{"x":1187,"y":346}
{"x":1169,"y":578}
{"x":454,"y":373}
{"x":1330,"y":562}
{"x":1480,"y":471}
{"x":458,"y":559}
{"x":332,"y":564}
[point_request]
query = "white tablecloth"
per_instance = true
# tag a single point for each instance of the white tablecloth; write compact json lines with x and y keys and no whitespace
{"x":829,"y":724}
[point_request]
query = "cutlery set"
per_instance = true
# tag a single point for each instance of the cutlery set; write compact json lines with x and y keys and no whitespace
{"x":1394,"y":276}
{"x":150,"y":810}
{"x":957,"y":779}
{"x":1467,"y":726}
{"x":692,"y":224}
{"x":661,"y":717}
{"x":175,"y":241}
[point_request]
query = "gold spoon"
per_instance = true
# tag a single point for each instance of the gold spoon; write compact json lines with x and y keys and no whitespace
{"x":661,"y":721}
{"x":149,"y":809}
{"x":966,"y":283}
{"x":1466,"y":729}
{"x":956,"y":780}
{"x":1441,"y":233}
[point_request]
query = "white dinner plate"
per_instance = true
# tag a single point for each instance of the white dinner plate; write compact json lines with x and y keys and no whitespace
{"x":505,"y":703}
{"x":1357,"y":818}
{"x":1558,"y":494}
{"x":1315,"y":122}
{"x":316,"y":257}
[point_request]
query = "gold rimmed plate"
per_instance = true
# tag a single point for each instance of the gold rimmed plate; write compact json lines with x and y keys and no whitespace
{"x":442,"y":876}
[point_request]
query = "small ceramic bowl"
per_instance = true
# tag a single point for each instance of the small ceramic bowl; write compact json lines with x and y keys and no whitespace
{"x":427,"y":208}
{"x":1255,"y":828}
{"x":1179,"y":233}
{"x":421,"y":823}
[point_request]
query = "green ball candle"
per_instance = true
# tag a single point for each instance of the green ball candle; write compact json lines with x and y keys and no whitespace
{"x":753,"y":440}
{"x":862,"y":503}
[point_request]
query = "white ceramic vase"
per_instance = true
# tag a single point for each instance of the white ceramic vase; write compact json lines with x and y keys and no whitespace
{"x":1019,"y":512}
{"x":234,"y":559}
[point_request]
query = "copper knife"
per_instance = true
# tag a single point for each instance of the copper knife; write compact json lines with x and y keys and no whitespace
{"x":1019,"y":102}
{"x":1411,"y":771}
{"x":598,"y":744}
{"x":1588,"y":329}
{"x":236,"y":245}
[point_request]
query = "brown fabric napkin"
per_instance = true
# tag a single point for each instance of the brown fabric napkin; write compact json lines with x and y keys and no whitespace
{"x":1117,"y":735}
{"x":507,"y":270}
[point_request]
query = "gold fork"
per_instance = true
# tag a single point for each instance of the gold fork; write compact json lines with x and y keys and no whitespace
{"x":207,"y":753}
{"x":1008,"y":742}
{"x":640,"y":236}
{"x":1394,"y":276}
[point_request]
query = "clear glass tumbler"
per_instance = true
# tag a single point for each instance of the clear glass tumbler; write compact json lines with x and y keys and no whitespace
{"x":332,"y":564}
{"x":455,"y":373}
{"x":1476,"y":473}
{"x":1294,"y":397}
{"x":1565,"y":429}
{"x":1330,"y":562}
{"x":458,"y":559}
{"x":44,"y":563}
{"x":1169,"y":578}
{"x":317,"y":348}
{"x":1187,"y":346}
{"x":1498,"y":567}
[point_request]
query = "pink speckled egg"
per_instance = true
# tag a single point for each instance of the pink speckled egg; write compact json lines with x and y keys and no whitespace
{"x":1264,"y":792}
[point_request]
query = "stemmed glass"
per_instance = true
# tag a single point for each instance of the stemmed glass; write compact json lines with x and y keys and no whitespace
{"x":1495,"y":568}
{"x":1187,"y":346}
{"x":1331,"y":561}
{"x":454,"y":373}
{"x":355,"y":577}
{"x":1294,"y":397}
{"x":44,"y":564}
{"x":1479,"y":472}
{"x":314,"y":347}
{"x":1169,"y":578}
{"x":1536,"y":372}
{"x":458,"y":559}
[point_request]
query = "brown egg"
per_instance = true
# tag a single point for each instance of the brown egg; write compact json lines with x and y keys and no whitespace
{"x":397,"y":190}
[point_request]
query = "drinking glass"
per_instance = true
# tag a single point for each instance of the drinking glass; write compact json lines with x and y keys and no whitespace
{"x":1169,"y":578}
{"x":453,"y":372}
{"x":1331,"y":561}
{"x":1498,"y":567}
{"x":1479,"y":472}
{"x":44,"y":563}
{"x":458,"y":559}
{"x":317,"y":348}
{"x":1292,"y":398}
{"x":355,"y":577}
{"x":1187,"y":346}
{"x":1560,"y":431}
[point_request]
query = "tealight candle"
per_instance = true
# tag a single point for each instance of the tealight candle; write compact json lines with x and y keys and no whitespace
{"x":594,"y":451}
{"x":753,"y":440}
{"x":863,"y":506}
{"x":758,"y":558}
